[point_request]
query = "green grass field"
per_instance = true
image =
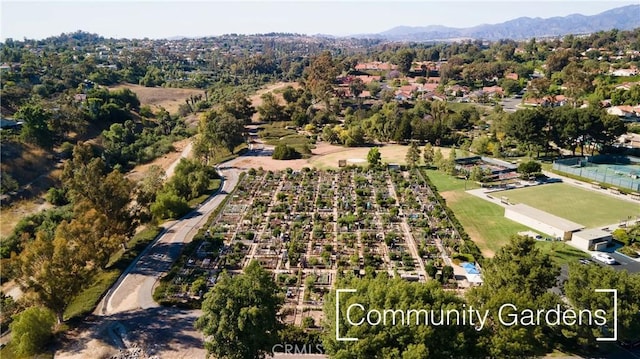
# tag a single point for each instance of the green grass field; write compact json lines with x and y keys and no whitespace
{"x":484,"y":221}
{"x":560,"y":252}
{"x":582,"y":206}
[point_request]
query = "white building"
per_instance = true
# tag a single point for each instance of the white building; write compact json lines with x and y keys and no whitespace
{"x":591,"y":239}
{"x":541,"y":221}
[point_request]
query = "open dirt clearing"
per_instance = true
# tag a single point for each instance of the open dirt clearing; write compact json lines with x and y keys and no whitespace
{"x":326,"y":156}
{"x":169,"y":98}
{"x":389,"y":153}
{"x":138,"y":172}
{"x":11,"y":215}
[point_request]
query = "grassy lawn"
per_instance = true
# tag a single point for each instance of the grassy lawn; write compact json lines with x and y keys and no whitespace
{"x":582,"y":206}
{"x":86,"y":300}
{"x":301,"y":143}
{"x":484,"y":221}
{"x":278,"y":134}
{"x":560,"y":252}
{"x":223,"y":155}
{"x":272,"y":132}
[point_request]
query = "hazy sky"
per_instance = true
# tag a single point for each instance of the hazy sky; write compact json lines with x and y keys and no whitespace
{"x":161,"y":19}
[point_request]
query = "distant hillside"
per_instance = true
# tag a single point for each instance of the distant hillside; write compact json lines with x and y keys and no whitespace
{"x":622,"y":18}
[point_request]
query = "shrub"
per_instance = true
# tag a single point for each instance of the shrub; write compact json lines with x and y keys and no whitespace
{"x":31,"y":330}
{"x":308,"y":322}
{"x":57,"y":196}
{"x":169,"y":205}
{"x":629,"y":252}
{"x":284,"y":152}
{"x":464,"y":257}
{"x":8,"y":183}
{"x":431,"y":270}
{"x":447,"y":273}
{"x":66,"y":149}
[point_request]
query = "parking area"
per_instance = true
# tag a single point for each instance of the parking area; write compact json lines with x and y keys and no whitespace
{"x":623,"y":263}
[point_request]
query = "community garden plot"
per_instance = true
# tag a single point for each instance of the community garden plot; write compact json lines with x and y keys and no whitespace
{"x":306,"y":226}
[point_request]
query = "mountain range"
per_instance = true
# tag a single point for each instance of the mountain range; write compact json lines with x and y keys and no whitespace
{"x":622,"y":18}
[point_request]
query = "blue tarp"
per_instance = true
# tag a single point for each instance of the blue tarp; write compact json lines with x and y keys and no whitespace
{"x":470,"y":268}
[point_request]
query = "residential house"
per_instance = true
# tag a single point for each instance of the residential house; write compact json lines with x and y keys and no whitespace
{"x":367,"y":79}
{"x":629,"y":140}
{"x":403,"y":95}
{"x":626,"y":112}
{"x":457,"y":90}
{"x":547,"y":101}
{"x":375,"y":66}
{"x":511,"y":76}
{"x":493,"y":91}
{"x":627,"y":85}
{"x":429,"y":87}
{"x":625,"y":72}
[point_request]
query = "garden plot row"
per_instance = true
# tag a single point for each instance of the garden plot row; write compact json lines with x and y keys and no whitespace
{"x":431,"y":228}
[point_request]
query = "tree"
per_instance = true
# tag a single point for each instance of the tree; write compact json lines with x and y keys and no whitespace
{"x":539,"y":87}
{"x":399,"y":340}
{"x":239,"y":315}
{"x":413,"y":154}
{"x":580,"y":290}
{"x":35,"y":127}
{"x":85,"y":178}
{"x":169,"y":205}
{"x":190,"y":179}
{"x":556,"y":61}
{"x":240,"y":108}
{"x":55,"y":269}
{"x":404,"y":59}
{"x":529,"y":168}
{"x":90,"y":230}
{"x":109,"y":195}
{"x":374,"y":157}
{"x":374,"y":88}
{"x":31,"y":330}
{"x":228,"y":132}
{"x":438,"y":158}
{"x":147,"y":188}
{"x":428,"y":155}
{"x":215,"y":131}
{"x":319,"y":77}
{"x":330,"y":135}
{"x":357,"y":86}
{"x":521,"y":275}
{"x":527,"y":127}
{"x":577,"y":82}
{"x":271,"y":110}
{"x":447,"y":273}
{"x":476,"y":174}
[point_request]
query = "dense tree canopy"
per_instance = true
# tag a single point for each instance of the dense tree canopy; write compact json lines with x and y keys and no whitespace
{"x":401,"y":340}
{"x":521,"y":275}
{"x":239,"y":315}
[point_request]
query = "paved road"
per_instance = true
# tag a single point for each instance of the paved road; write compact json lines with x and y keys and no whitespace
{"x":622,"y":263}
{"x":135,"y":288}
{"x":510,"y":104}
